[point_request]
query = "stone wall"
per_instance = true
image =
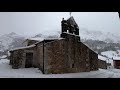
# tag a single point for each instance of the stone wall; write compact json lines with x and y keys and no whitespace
{"x":18,"y":57}
{"x":39,"y":55}
{"x":70,"y":46}
{"x":35,"y":62}
{"x":76,"y":52}
{"x":55,"y":57}
{"x":85,"y":57}
{"x":68,"y":55}
{"x":93,"y":60}
{"x":102,"y":64}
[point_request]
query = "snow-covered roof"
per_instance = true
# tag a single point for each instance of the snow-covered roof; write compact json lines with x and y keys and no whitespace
{"x":23,"y":47}
{"x":36,"y":39}
{"x":49,"y":39}
{"x":102,"y":58}
{"x":115,"y":55}
{"x":42,"y":39}
{"x":71,"y":34}
{"x":53,"y":38}
{"x":108,"y":60}
{"x":116,"y":58}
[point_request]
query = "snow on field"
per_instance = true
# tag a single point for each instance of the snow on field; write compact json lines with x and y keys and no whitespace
{"x":4,"y":56}
{"x":7,"y":72}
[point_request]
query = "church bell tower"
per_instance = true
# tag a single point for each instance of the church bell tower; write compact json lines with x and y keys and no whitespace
{"x":69,"y":26}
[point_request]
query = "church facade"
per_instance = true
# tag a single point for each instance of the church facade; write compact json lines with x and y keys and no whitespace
{"x":66,"y":54}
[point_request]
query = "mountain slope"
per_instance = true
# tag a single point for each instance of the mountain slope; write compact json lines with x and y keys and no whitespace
{"x":97,"y":40}
{"x":98,"y":35}
{"x":10,"y":40}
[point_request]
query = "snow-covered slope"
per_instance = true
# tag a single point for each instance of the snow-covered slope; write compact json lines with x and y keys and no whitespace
{"x":85,"y":33}
{"x":12,"y":40}
{"x":99,"y":35}
{"x":7,"y":39}
{"x":112,"y":54}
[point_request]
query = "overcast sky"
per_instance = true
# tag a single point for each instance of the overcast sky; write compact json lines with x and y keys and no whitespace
{"x":38,"y":22}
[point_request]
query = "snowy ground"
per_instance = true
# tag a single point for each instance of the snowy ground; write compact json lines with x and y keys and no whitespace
{"x":7,"y":72}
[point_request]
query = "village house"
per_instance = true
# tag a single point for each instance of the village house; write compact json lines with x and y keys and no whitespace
{"x":102,"y":62}
{"x":116,"y":62}
{"x":31,"y":41}
{"x":66,"y":54}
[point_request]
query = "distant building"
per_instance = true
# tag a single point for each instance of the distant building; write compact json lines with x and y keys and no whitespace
{"x":102,"y":62}
{"x":116,"y":62}
{"x":109,"y":66}
{"x":66,"y":54}
{"x":31,"y":41}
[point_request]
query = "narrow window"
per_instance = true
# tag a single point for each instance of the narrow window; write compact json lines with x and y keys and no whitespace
{"x":72,"y":65}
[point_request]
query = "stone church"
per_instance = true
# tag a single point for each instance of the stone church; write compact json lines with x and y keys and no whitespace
{"x":66,"y":54}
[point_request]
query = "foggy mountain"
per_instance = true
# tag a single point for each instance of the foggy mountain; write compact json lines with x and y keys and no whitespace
{"x":98,"y":35}
{"x":96,"y":40}
{"x":9,"y":41}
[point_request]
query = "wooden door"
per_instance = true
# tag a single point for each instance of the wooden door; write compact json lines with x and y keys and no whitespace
{"x":29,"y":60}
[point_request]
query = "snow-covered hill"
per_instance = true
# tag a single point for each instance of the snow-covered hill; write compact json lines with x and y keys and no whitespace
{"x":13,"y":40}
{"x":7,"y":39}
{"x":112,"y":54}
{"x":99,"y":35}
{"x":86,"y":34}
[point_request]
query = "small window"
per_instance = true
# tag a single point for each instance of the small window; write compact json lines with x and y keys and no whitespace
{"x":72,"y":65}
